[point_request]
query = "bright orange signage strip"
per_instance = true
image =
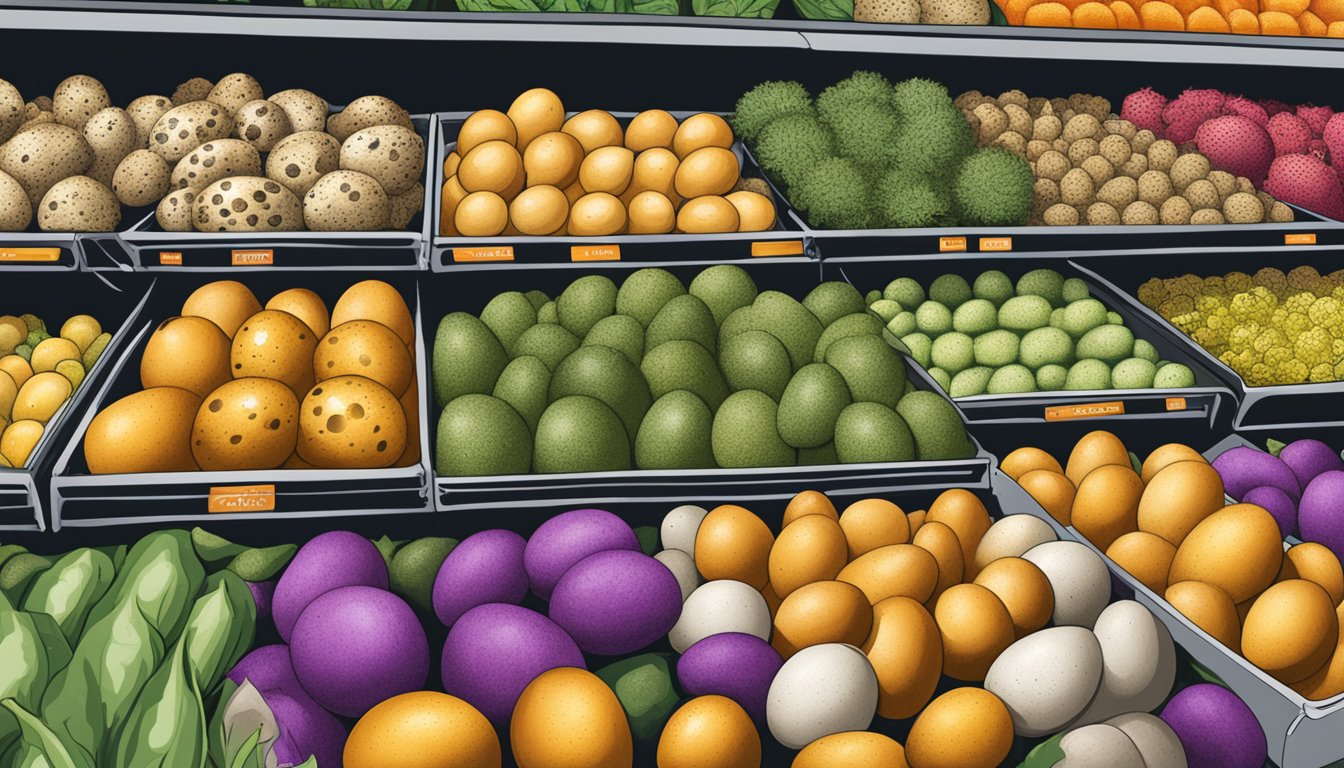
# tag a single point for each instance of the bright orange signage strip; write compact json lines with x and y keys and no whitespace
{"x":242,"y":498}
{"x":245,"y":258}
{"x":1083,"y":411}
{"x":996,"y":243}
{"x":595,"y":253}
{"x":473,"y":255}
{"x":30,"y":254}
{"x":949,"y":244}
{"x":777,"y":248}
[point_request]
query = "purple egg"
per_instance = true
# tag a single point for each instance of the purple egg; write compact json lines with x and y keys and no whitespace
{"x":1320,"y":516}
{"x":732,"y":664}
{"x":1309,"y":458}
{"x":1244,"y":468}
{"x":486,"y":567}
{"x":1216,"y":728}
{"x":495,"y":650}
{"x":306,"y":730}
{"x":566,"y":539}
{"x":326,"y":562}
{"x":263,"y":592}
{"x":616,"y":602}
{"x":1278,"y":504}
{"x":356,"y":646}
{"x":268,"y":668}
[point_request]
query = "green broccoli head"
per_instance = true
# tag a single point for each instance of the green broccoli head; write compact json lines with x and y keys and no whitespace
{"x":766,"y":102}
{"x":792,"y":144}
{"x":834,"y":193}
{"x":905,"y":200}
{"x":993,"y":187}
{"x":860,"y":86}
{"x":933,"y":140}
{"x":867,"y":133}
{"x":918,"y":95}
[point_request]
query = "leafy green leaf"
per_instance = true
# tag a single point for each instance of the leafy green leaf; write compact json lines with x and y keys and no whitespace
{"x":162,"y":576}
{"x":40,"y":747}
{"x":376,"y":5}
{"x":166,"y":729}
{"x":26,"y":669}
{"x":1046,"y":754}
{"x":1275,"y":446}
{"x":743,"y":9}
{"x":242,"y":714}
{"x":822,"y":10}
{"x":68,"y":590}
{"x":262,"y":564}
{"x":213,"y":549}
{"x":220,"y":629}
{"x":245,"y":752}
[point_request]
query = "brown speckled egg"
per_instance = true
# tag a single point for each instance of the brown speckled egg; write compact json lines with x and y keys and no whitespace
{"x":250,"y":423}
{"x":351,"y":422}
{"x":233,"y":91}
{"x":378,"y":301}
{"x":247,"y":204}
{"x":141,"y":179}
{"x":145,"y":111}
{"x":405,"y":206}
{"x":176,"y":210}
{"x":346,"y":201}
{"x":12,"y":112}
{"x":111,"y":134}
{"x":275,"y":345}
{"x":365,"y":112}
{"x":79,"y":204}
{"x":16,"y":213}
{"x":364,"y":348}
{"x":306,"y":110}
{"x":41,"y":155}
{"x":149,"y":431}
{"x":262,"y":124}
{"x":226,"y":303}
{"x":186,"y":127}
{"x":190,"y":353}
{"x":76,"y":99}
{"x":215,"y":160}
{"x":392,"y":154}
{"x":305,"y":305}
{"x":300,"y":159}
{"x":195,"y":89}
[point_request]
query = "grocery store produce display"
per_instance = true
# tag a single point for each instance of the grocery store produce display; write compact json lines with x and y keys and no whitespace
{"x":538,"y":170}
{"x":38,"y":374}
{"x":214,"y":157}
{"x":1242,"y":17}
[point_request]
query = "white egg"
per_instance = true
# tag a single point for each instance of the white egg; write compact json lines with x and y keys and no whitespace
{"x":1012,"y":536}
{"x":1047,"y":678}
{"x":720,"y":606}
{"x":1098,"y":746}
{"x":1138,"y":659}
{"x":1157,"y":742}
{"x":1079,"y":579}
{"x":683,"y":567}
{"x":680,"y":526}
{"x":820,"y":690}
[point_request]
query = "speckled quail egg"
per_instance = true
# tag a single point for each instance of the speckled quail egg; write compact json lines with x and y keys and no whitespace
{"x":248,"y":423}
{"x":351,"y":422}
{"x":186,"y":127}
{"x":41,"y":155}
{"x":76,"y":99}
{"x":364,"y":348}
{"x":141,"y":178}
{"x":12,"y":112}
{"x":215,"y":160}
{"x":33,"y":116}
{"x":177,"y":210}
{"x":195,"y":89}
{"x":111,"y":135}
{"x":262,"y":124}
{"x":366,"y":112}
{"x":346,"y":201}
{"x":247,"y":204}
{"x":145,"y":111}
{"x":300,"y":159}
{"x":233,"y":91}
{"x":78,"y":204}
{"x":275,"y":345}
{"x":306,"y":110}
{"x":405,"y":206}
{"x":16,"y":213}
{"x":392,"y":154}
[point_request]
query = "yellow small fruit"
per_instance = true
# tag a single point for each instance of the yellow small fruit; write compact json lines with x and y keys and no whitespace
{"x":539,"y":210}
{"x":649,"y":129}
{"x":700,"y":131}
{"x":707,"y":171}
{"x":707,"y":215}
{"x":81,"y":329}
{"x":18,"y":369}
{"x":18,"y":441}
{"x":607,"y":170}
{"x":481,"y":214}
{"x":482,"y":126}
{"x":452,"y":197}
{"x":491,"y":167}
{"x":41,"y":396}
{"x":594,"y":129}
{"x":536,"y":112}
{"x":755,"y":212}
{"x":553,"y":159}
{"x":450,"y":164}
{"x":656,"y":171}
{"x":651,"y":214}
{"x":597,"y":214}
{"x":73,"y":370}
{"x":52,"y":351}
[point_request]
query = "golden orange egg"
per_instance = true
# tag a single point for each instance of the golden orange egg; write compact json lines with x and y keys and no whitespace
{"x":481,"y":214}
{"x":916,"y":519}
{"x":450,"y":164}
{"x":709,"y":732}
{"x":1179,"y":497}
{"x":702,"y":131}
{"x":351,"y":422}
{"x":452,"y":196}
{"x":1023,"y":589}
{"x":1291,"y":631}
{"x":649,"y":129}
{"x":1317,"y":564}
{"x":1146,"y":556}
{"x":535,"y":112}
{"x":553,"y":159}
{"x":807,"y":550}
{"x":1095,"y":449}
{"x":707,"y":215}
{"x":1106,"y":506}
{"x":821,"y":612}
{"x":566,"y":718}
{"x":872,"y":523}
{"x":248,"y":423}
{"x":597,"y":214}
{"x":941,"y":542}
{"x":963,"y":728}
{"x":274,"y":345}
{"x":1327,"y":682}
{"x":226,"y":303}
{"x":651,"y":214}
{"x":1236,"y":548}
{"x":1024,"y":460}
{"x":1208,"y":608}
{"x":965,"y":514}
{"x":364,"y":348}
{"x":539,"y":210}
{"x":896,"y":570}
{"x":187,"y":352}
{"x":852,"y":749}
{"x":378,"y":301}
{"x":975,"y":626}
{"x":608,"y":169}
{"x":809,"y":503}
{"x":755,"y":212}
{"x":906,"y":652}
{"x":18,"y":441}
{"x":594,"y":128}
{"x":485,"y":125}
{"x":491,"y":167}
{"x":656,"y":170}
{"x":1165,"y":455}
{"x":707,"y":171}
{"x":1053,"y":491}
{"x":733,"y":543}
{"x":305,"y":305}
{"x":149,"y":431}
{"x":423,"y":729}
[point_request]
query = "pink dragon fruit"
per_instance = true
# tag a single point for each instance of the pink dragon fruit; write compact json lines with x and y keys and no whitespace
{"x":1316,"y":117}
{"x":1306,"y":181}
{"x":1185,"y":113}
{"x":1240,"y":105}
{"x":1333,"y":135}
{"x":1237,"y":145}
{"x":1290,"y":133}
{"x":1144,"y":108}
{"x":1274,"y":106}
{"x":1317,"y":148}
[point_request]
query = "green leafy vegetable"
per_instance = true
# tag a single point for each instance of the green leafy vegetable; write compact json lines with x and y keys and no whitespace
{"x":26,"y":667}
{"x":69,"y":589}
{"x":375,"y":5}
{"x":743,"y":9}
{"x":1275,"y":446}
{"x":166,"y":729}
{"x":243,"y":728}
{"x":220,"y":629}
{"x":213,"y":549}
{"x":1046,"y":754}
{"x":822,"y":10}
{"x":162,"y":576}
{"x":40,"y":747}
{"x":262,"y":564}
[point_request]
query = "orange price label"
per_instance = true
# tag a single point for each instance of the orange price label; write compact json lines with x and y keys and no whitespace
{"x":1083,"y":411}
{"x":242,"y":498}
{"x":777,"y":248}
{"x":949,"y":244}
{"x":1175,"y":403}
{"x":30,"y":254}
{"x":172,"y":258}
{"x":595,"y":253}
{"x":244,"y":258}
{"x":1299,"y":238}
{"x":996,"y":243}
{"x":474,"y":255}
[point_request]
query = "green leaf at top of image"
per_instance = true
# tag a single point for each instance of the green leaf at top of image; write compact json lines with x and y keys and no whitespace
{"x":387,"y":548}
{"x":262,"y":564}
{"x":18,"y":572}
{"x":68,"y":590}
{"x":742,"y":9}
{"x":40,"y":748}
{"x":162,"y":576}
{"x":166,"y":729}
{"x":213,"y":549}
{"x":1275,"y":447}
{"x":590,"y":6}
{"x":652,"y":7}
{"x":1205,"y":674}
{"x":1046,"y":754}
{"x":1134,"y":463}
{"x":996,"y":17}
{"x":514,"y":6}
{"x":373,"y":5}
{"x":825,"y":10}
{"x":221,"y":628}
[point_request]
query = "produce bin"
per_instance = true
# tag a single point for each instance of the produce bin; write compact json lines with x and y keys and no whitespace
{"x":23,"y":492}
{"x":471,"y":290}
{"x":83,"y":499}
{"x":1277,"y":406}
{"x":152,"y":249}
{"x":455,"y":253}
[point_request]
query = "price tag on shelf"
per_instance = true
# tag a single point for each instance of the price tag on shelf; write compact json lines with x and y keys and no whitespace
{"x":951,"y":244}
{"x":1084,"y":411}
{"x":29,"y":255}
{"x":253,"y":258}
{"x":996,"y":244}
{"x":595,"y":253}
{"x":242,"y":498}
{"x":777,"y":248}
{"x":1175,"y":403}
{"x":476,"y":255}
{"x":1299,"y":238}
{"x":170,"y":258}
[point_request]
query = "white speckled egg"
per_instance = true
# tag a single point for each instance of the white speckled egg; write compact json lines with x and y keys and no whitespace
{"x":141,"y":178}
{"x":1011,"y":537}
{"x":346,"y":201}
{"x":1157,"y":742}
{"x":1139,"y":660}
{"x":1047,"y":678}
{"x":721,"y":606}
{"x":1079,"y":578}
{"x":821,"y":690}
{"x":215,"y":160}
{"x":145,"y":111}
{"x":680,"y":526}
{"x":306,"y":110}
{"x":78,"y":204}
{"x":1098,"y":746}
{"x":683,"y":567}
{"x":187,"y":126}
{"x":234,"y":90}
{"x":262,"y":124}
